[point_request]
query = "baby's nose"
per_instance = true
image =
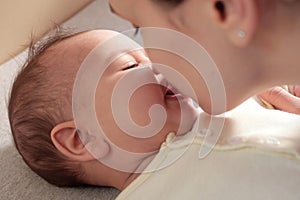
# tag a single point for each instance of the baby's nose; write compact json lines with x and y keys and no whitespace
{"x":155,"y":71}
{"x":161,"y":79}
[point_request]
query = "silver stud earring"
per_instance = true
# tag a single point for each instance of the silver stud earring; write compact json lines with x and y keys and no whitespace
{"x":241,"y":34}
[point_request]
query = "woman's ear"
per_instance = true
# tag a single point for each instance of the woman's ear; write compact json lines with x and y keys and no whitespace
{"x":238,"y":18}
{"x":66,"y":139}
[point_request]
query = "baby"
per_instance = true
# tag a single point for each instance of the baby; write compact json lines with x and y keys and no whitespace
{"x":42,"y":118}
{"x":52,"y":111}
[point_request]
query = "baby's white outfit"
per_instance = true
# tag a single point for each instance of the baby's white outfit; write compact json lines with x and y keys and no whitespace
{"x":256,"y":157}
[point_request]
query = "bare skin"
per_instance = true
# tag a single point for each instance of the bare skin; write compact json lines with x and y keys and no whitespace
{"x":65,"y":136}
{"x":263,"y":58}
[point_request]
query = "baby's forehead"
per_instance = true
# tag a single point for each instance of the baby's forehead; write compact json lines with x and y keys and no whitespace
{"x":71,"y":51}
{"x":107,"y":45}
{"x":111,"y":45}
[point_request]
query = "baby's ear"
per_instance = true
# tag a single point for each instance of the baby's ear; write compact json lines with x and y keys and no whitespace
{"x":66,"y":139}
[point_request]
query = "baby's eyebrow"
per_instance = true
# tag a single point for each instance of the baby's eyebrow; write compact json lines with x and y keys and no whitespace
{"x":114,"y":55}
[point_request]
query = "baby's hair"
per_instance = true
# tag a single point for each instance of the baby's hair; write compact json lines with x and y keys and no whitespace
{"x":36,"y":105}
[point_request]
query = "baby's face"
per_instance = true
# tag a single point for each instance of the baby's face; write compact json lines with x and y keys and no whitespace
{"x":133,"y":109}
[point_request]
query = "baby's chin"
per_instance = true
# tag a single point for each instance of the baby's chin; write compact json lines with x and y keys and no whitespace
{"x":190,"y":112}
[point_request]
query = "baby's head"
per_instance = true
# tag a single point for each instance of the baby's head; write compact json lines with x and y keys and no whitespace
{"x":40,"y":99}
{"x":41,"y":116}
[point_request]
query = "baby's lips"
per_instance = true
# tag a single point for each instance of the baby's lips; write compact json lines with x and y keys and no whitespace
{"x":174,"y":90}
{"x":172,"y":77}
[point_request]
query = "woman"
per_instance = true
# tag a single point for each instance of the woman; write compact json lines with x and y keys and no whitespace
{"x":254,"y":43}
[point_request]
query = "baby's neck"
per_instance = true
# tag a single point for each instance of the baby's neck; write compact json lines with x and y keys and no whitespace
{"x":127,"y":165}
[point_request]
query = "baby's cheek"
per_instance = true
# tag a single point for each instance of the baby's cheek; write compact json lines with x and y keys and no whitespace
{"x":140,"y":104}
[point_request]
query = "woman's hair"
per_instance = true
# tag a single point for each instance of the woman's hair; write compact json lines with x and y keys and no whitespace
{"x":36,"y":105}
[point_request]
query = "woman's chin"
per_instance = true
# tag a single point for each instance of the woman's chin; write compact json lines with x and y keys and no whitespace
{"x":189,"y":115}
